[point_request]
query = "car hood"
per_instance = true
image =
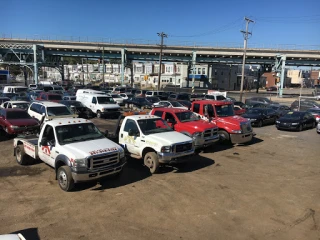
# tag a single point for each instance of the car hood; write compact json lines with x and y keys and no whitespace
{"x":230,"y":121}
{"x":199,"y":125}
{"x":251,"y":115}
{"x":23,"y":122}
{"x":289,"y":120}
{"x":110,"y":106}
{"x":88,"y":148}
{"x":168,"y":138}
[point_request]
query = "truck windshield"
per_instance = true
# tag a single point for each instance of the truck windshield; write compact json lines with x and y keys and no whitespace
{"x":224,"y":110}
{"x":153,"y":125}
{"x":105,"y":100}
{"x":58,"y":111}
{"x":187,"y":116}
{"x":67,"y":134}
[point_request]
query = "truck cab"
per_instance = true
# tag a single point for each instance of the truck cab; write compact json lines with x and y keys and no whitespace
{"x":150,"y":138}
{"x":75,"y":148}
{"x":203,"y":133}
{"x":232,"y":128}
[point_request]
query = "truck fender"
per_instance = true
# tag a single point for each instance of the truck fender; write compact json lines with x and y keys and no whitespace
{"x":146,"y":150}
{"x":15,"y":144}
{"x":61,"y":160}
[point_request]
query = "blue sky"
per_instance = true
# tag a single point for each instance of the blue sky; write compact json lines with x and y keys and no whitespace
{"x":207,"y":22}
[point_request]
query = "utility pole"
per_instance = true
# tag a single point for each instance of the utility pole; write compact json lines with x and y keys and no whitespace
{"x":103,"y":67}
{"x":162,"y":35}
{"x":245,"y":35}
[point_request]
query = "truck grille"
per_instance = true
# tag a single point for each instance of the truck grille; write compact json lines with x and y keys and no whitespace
{"x":246,"y":127}
{"x":210,"y":132}
{"x":103,"y":161}
{"x":183,"y":147}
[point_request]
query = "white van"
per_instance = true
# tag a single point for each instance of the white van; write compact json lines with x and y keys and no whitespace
{"x":14,"y":89}
{"x":101,"y":104}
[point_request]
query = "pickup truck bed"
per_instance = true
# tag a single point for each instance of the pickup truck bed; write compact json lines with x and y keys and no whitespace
{"x":30,"y":143}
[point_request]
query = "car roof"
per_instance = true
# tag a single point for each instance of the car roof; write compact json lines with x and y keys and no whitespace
{"x":139,"y":117}
{"x":67,"y":121}
{"x":49,"y":104}
{"x":171,"y":110}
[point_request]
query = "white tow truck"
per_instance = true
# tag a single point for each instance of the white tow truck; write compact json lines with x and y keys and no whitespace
{"x":150,"y":138}
{"x":75,"y":148}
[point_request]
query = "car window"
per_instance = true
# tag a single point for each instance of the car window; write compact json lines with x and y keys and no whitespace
{"x":130,"y":124}
{"x":168,"y":117}
{"x":48,"y":133}
{"x":35,"y":107}
{"x":158,"y":113}
{"x":196,"y":107}
{"x":94,"y":100}
{"x":209,"y":109}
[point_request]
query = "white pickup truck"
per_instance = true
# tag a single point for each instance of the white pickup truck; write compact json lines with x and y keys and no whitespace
{"x":150,"y":138}
{"x":75,"y":148}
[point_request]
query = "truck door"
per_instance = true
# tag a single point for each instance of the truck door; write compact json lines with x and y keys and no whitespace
{"x":93,"y":104}
{"x":47,"y":146}
{"x":131,"y":143}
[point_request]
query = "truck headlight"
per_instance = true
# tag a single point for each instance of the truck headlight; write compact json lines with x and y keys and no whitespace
{"x":236,"y":131}
{"x":166,"y":149}
{"x":80,"y":162}
{"x":121,"y":151}
{"x":102,"y":109}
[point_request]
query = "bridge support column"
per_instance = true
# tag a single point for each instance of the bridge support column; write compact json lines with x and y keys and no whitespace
{"x":123,"y":60}
{"x":35,"y":64}
{"x":193,"y":67}
{"x":280,"y":70}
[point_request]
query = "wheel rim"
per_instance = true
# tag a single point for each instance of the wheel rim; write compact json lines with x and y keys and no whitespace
{"x":18,"y":154}
{"x":63,"y":179}
{"x":150,"y":162}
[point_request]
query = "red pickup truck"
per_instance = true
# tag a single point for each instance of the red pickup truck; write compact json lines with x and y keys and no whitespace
{"x":232,"y":128}
{"x":53,"y":97}
{"x":185,"y":121}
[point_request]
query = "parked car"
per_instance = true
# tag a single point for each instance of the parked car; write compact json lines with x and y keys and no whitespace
{"x":8,"y":95}
{"x":315,"y":112}
{"x":296,"y":121}
{"x":257,"y":105}
{"x":153,"y":100}
{"x":4,"y":99}
{"x":196,"y":96}
{"x":179,"y":96}
{"x":185,"y":103}
{"x":305,"y":104}
{"x":140,"y":102}
{"x":14,"y":121}
{"x":272,"y":88}
{"x":21,"y":98}
{"x":16,"y":104}
{"x":126,"y":96}
{"x":53,"y":97}
{"x":280,"y":109}
{"x":140,"y":93}
{"x":214,"y":97}
{"x":238,"y":110}
{"x":69,"y":98}
{"x":240,"y":104}
{"x":117,"y":98}
{"x":78,"y":108}
{"x":255,"y":100}
{"x":160,"y":94}
{"x":170,"y":104}
{"x":261,"y":116}
{"x":203,"y":133}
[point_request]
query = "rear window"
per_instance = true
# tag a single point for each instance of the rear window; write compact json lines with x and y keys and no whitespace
{"x":58,"y":111}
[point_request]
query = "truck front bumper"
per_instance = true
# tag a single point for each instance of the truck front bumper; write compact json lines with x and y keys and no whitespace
{"x":169,"y":158}
{"x":242,"y":138}
{"x":201,"y":142}
{"x":88,"y":176}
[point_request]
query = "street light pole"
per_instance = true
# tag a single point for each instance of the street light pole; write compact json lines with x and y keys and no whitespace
{"x":245,"y":34}
{"x":162,"y":35}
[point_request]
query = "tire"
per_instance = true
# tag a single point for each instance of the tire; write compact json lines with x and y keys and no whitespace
{"x":21,"y":156}
{"x":225,"y":135}
{"x":300,"y":128}
{"x":99,"y":115}
{"x":152,"y":162}
{"x":65,"y":179}
{"x":260,"y":123}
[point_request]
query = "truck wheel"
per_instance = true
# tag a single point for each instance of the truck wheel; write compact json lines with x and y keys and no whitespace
{"x":152,"y":162}
{"x":225,"y":136}
{"x":99,"y":114}
{"x":65,"y":179}
{"x":21,"y":156}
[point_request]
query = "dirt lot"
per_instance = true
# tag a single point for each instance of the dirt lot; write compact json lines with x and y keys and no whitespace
{"x":266,"y":190}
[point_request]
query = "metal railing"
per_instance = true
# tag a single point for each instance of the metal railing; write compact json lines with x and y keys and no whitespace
{"x":168,"y":42}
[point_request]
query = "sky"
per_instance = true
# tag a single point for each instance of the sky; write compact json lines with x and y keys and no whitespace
{"x":207,"y":23}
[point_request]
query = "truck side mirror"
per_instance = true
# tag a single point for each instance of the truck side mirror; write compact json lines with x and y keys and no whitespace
{"x":131,"y":132}
{"x":44,"y":141}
